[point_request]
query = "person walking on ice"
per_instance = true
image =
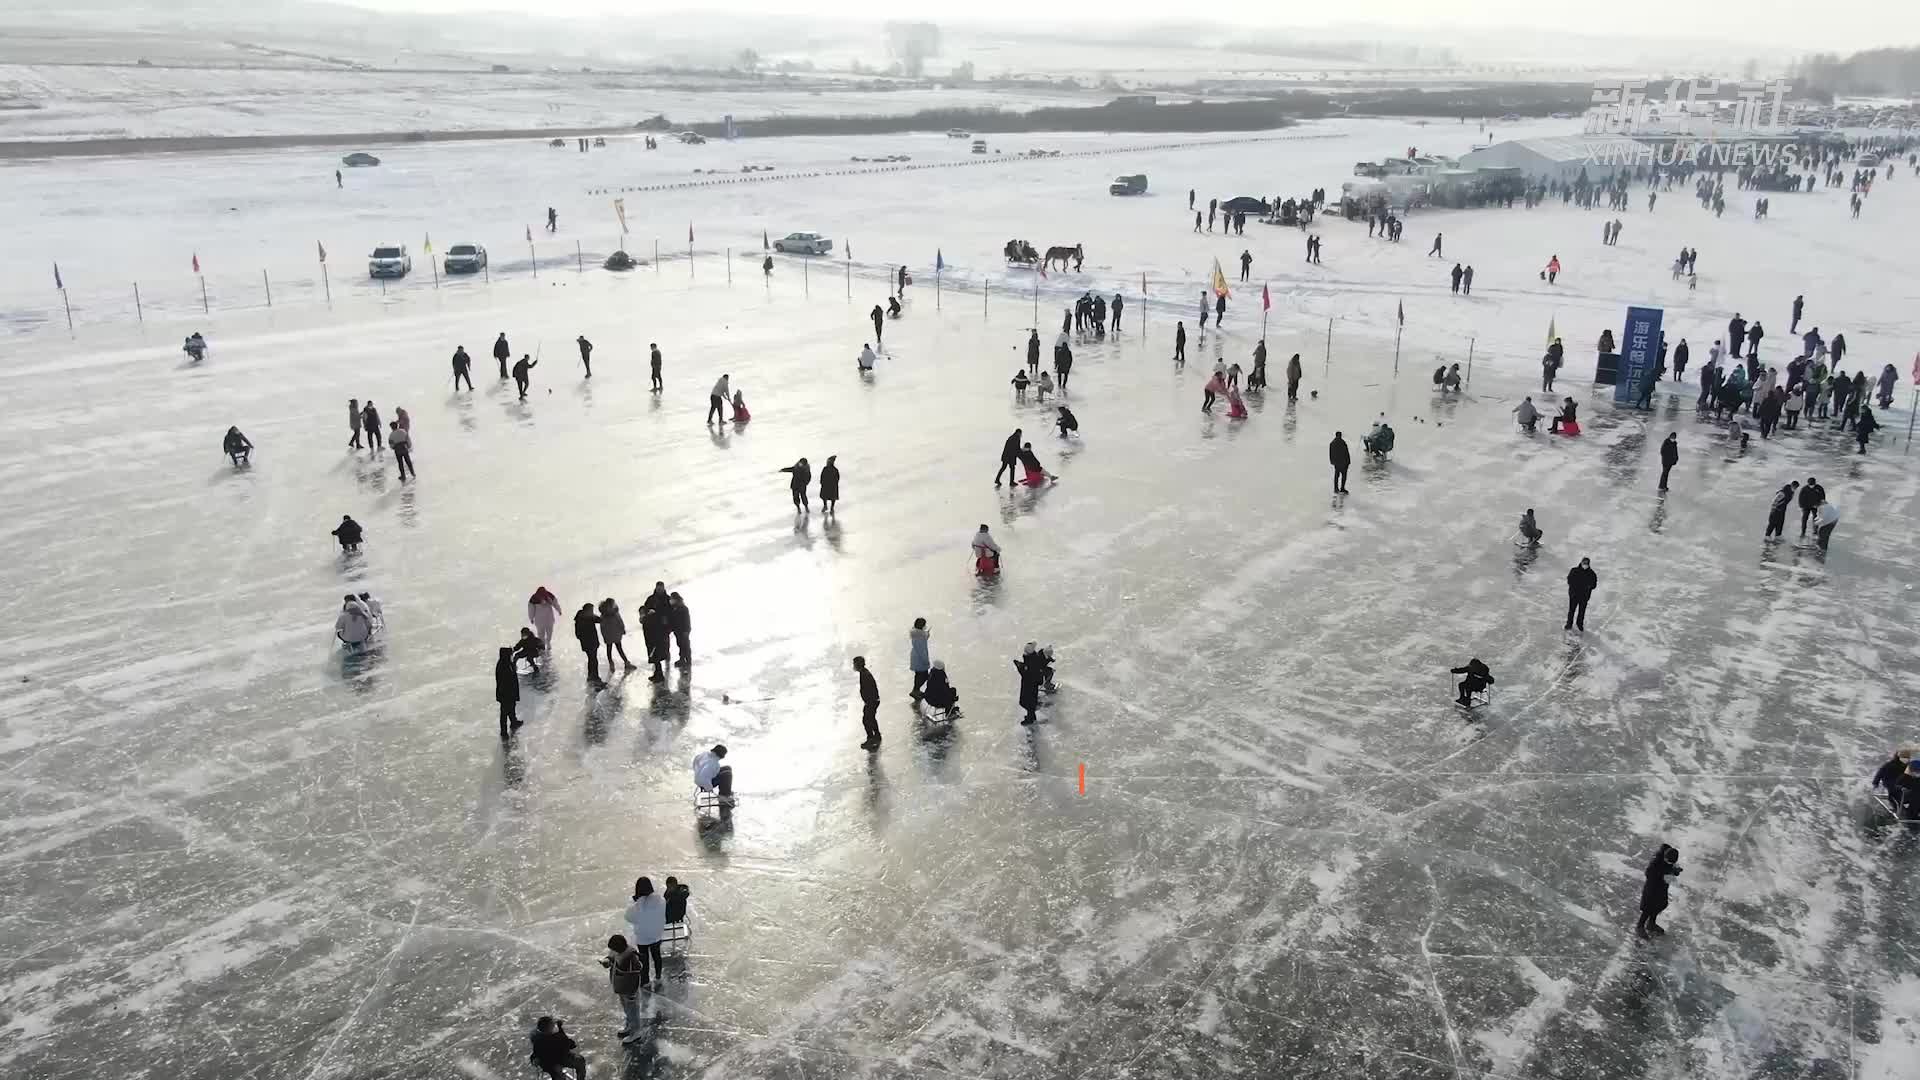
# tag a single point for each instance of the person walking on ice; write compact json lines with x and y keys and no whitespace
{"x":502,"y":352}
{"x":717,"y":400}
{"x":869,"y":704}
{"x":522,"y":374}
{"x":801,"y":474}
{"x":1581,"y":581}
{"x":1435,"y":249}
{"x":586,"y":354}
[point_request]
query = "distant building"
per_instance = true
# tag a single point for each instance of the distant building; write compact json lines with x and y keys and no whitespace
{"x":1560,"y":158}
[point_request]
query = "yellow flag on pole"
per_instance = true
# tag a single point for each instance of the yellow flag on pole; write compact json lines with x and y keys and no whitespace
{"x":1220,"y":280}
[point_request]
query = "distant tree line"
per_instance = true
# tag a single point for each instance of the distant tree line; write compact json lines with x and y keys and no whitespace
{"x":1876,"y":71}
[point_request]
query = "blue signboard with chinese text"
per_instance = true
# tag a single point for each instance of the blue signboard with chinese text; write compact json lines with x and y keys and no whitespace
{"x":1639,"y":354}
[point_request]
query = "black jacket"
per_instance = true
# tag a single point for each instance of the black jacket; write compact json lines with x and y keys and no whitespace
{"x":348,"y":532}
{"x":501,"y":350}
{"x":1889,"y":777}
{"x":1581,"y":581}
{"x":552,"y":1047}
{"x":461,"y":361}
{"x":1476,"y":669}
{"x":830,"y":482}
{"x":1031,"y":676}
{"x":1653,"y":895}
{"x":1033,"y":348}
{"x":1811,"y":496}
{"x":1010,"y":450}
{"x":681,"y":619}
{"x":586,"y":628}
{"x":1337,"y":453}
{"x":1669,"y":452}
{"x":802,"y":475}
{"x":869,"y":690}
{"x":506,"y":681}
{"x":1680,"y":352}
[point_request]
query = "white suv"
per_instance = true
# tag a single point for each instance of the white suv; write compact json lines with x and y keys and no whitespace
{"x":390,"y":261}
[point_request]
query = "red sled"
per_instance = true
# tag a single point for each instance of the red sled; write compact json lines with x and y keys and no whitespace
{"x":1568,"y":427}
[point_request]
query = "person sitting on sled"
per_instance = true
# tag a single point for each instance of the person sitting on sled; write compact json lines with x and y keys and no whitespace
{"x":866,"y":358}
{"x":1067,"y":422}
{"x":1030,"y":461}
{"x":1528,"y":416}
{"x":740,"y":413}
{"x":1529,"y":529}
{"x":940,"y":695}
{"x":1565,"y":423}
{"x":986,"y":553}
{"x":1236,"y":407}
{"x":1478,"y":678}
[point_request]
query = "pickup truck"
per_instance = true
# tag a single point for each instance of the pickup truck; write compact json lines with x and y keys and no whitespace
{"x":1128,"y":185}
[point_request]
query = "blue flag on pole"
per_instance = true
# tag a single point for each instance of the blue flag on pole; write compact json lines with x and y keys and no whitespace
{"x":939,"y":260}
{"x":57,"y":283}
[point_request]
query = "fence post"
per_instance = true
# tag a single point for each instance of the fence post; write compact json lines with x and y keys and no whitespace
{"x":268,"y":282}
{"x":138,"y":311}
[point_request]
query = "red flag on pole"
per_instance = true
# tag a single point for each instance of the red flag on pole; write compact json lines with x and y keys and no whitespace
{"x":196,"y":262}
{"x":1266,"y":299}
{"x":529,"y":234}
{"x":689,"y":232}
{"x":323,"y":250}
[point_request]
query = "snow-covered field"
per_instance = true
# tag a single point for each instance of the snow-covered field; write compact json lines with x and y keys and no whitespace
{"x":162,"y":102}
{"x":235,"y":854}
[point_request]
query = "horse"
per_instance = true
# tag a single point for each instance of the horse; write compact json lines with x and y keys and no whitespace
{"x":1062,"y":254}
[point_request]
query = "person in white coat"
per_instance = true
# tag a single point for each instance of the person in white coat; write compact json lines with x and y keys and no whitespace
{"x":353,"y":626}
{"x":647,"y":915}
{"x":543,"y":611}
{"x":375,"y":610}
{"x":867,"y":358}
{"x":917,"y":660}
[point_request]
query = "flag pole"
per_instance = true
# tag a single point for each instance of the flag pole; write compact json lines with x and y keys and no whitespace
{"x":656,"y":256}
{"x":1396,"y":350}
{"x":983,"y":298}
{"x":325,"y":283}
{"x":1327,"y":367}
{"x":1264,"y":304}
{"x":1470,"y":363}
{"x":204,"y":308}
{"x":579,"y":259}
{"x":1911,"y":413}
{"x":729,"y":264}
{"x":139,"y":311}
{"x":268,"y":282}
{"x":69,"y":307}
{"x":936,"y":288}
{"x":434,"y":265}
{"x":533,"y":259}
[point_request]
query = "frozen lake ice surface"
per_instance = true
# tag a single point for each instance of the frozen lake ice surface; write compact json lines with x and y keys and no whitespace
{"x":234,"y":851}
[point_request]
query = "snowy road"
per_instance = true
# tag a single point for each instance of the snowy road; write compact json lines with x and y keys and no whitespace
{"x":233,"y":854}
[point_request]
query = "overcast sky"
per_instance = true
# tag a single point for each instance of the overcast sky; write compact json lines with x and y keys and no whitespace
{"x":1779,"y":23}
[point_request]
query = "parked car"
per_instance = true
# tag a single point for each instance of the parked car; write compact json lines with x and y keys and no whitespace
{"x":359,"y":159}
{"x":958,"y":133}
{"x":803,"y":243}
{"x":557,"y":143}
{"x":465,"y":259}
{"x":1128,"y":185}
{"x":979,"y":146}
{"x":392,"y":261}
{"x":691,"y":138}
